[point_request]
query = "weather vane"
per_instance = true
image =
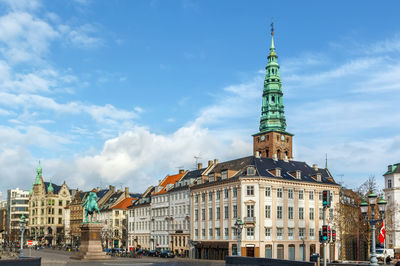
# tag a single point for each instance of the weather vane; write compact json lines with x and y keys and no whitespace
{"x":272,"y":27}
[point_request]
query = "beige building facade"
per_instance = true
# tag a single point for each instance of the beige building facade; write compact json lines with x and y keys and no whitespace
{"x":279,"y":202}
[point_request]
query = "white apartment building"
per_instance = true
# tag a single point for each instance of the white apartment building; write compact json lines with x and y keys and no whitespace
{"x":17,"y":205}
{"x":179,"y":210}
{"x":160,"y":222}
{"x":392,"y":194}
{"x":278,"y":200}
{"x":139,"y":222}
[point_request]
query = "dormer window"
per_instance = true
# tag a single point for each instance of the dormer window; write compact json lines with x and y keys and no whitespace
{"x":250,"y":170}
{"x":298,"y":174}
{"x":319,"y":177}
{"x":389,"y":168}
{"x":211,"y":177}
{"x":224,"y":174}
{"x":278,"y":172}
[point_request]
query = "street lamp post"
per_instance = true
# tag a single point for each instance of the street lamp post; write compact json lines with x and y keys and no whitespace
{"x":239,"y":228}
{"x":22,"y":223}
{"x":364,"y":209}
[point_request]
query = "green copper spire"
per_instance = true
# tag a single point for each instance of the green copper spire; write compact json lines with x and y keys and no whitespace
{"x":272,"y":113}
{"x":31,"y":190}
{"x":50,"y":188}
{"x":38,"y":175}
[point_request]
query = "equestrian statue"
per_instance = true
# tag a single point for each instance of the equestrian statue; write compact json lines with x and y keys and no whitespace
{"x":90,"y":206}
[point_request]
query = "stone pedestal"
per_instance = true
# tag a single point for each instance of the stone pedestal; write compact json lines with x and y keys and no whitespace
{"x":90,"y":248}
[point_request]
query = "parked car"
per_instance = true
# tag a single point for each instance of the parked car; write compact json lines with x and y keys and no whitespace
{"x":167,"y":254}
{"x":153,"y":253}
{"x":382,"y":254}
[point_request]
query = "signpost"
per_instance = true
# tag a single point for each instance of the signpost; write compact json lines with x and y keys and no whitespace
{"x":30,"y":243}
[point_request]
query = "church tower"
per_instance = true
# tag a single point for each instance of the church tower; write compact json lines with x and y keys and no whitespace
{"x":273,"y":141}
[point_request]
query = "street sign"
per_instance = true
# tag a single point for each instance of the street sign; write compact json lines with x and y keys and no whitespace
{"x":30,"y":243}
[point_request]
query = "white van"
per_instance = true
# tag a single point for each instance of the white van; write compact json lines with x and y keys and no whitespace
{"x":382,"y":253}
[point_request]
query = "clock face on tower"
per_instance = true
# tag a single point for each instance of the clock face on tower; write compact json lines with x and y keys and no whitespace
{"x":282,"y":137}
{"x":262,"y":138}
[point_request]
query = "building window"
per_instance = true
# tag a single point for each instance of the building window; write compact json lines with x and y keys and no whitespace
{"x":250,"y":190}
{"x":234,"y":249}
{"x":235,"y":211}
{"x":331,"y":214}
{"x":226,"y":212}
{"x":226,"y":232}
{"x":196,"y":198}
{"x":196,"y":232}
{"x":209,"y":213}
{"x":279,"y":233}
{"x":279,"y":212}
{"x":312,"y":233}
{"x":279,"y":193}
{"x":320,"y":196}
{"x":268,"y":211}
{"x":203,"y":197}
{"x":210,"y":232}
{"x":290,"y":212}
{"x":290,"y":193}
{"x":224,"y":174}
{"x":196,"y":215}
{"x":250,"y":210}
{"x":218,"y":213}
{"x":301,"y":232}
{"x":218,"y":194}
{"x":311,"y":195}
{"x":301,"y":194}
{"x":209,"y":196}
{"x":298,"y":174}
{"x":218,"y":232}
{"x":311,"y":214}
{"x":226,"y":192}
{"x":234,"y":192}
{"x":211,"y":177}
{"x":250,"y":170}
{"x":389,"y":183}
{"x":203,"y":233}
{"x":268,"y":191}
{"x":203,"y":214}
{"x":268,"y":232}
{"x":301,"y":213}
{"x":321,"y":213}
{"x":250,"y":231}
{"x":290,"y":233}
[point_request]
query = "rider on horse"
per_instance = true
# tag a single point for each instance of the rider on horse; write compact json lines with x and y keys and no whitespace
{"x":90,"y":206}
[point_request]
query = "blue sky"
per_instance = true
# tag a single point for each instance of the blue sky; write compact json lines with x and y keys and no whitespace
{"x":126,"y":92}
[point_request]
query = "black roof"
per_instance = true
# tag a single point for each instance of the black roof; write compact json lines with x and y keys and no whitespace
{"x":111,"y":201}
{"x":56,"y":187}
{"x":263,"y":167}
{"x":193,"y":174}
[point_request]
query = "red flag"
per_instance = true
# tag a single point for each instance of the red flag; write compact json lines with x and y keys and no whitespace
{"x":382,"y":233}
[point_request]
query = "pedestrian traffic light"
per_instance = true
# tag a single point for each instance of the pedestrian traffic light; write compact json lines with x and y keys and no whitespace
{"x":326,"y":198}
{"x":325,"y":233}
{"x":333,"y":235}
{"x":321,"y":240}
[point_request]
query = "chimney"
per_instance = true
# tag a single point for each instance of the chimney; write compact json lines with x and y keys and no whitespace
{"x":215,"y":161}
{"x":257,"y":154}
{"x":210,"y":162}
{"x":181,"y":171}
{"x":113,"y":189}
{"x":199,"y":166}
{"x":286,"y":159}
{"x":315,"y":166}
{"x":126,"y":192}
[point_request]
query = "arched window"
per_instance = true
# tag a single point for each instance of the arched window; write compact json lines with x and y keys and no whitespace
{"x":280,"y":252}
{"x":292,"y":252}
{"x":268,"y":251}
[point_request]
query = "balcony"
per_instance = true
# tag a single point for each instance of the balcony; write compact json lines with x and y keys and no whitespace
{"x":249,"y":220}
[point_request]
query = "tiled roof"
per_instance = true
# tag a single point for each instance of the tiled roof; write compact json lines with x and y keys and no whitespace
{"x":124,"y":204}
{"x":111,"y":201}
{"x":171,"y":179}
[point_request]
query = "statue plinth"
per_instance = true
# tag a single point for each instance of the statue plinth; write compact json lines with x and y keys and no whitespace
{"x":90,"y":248}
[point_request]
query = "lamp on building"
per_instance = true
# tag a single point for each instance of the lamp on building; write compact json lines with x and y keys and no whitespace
{"x":239,"y":228}
{"x":22,"y":223}
{"x":364,"y":210}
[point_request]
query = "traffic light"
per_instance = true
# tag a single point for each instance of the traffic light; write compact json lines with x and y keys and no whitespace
{"x":321,"y":240}
{"x":333,"y":235}
{"x":324,"y":233}
{"x":326,"y":198}
{"x":329,"y":234}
